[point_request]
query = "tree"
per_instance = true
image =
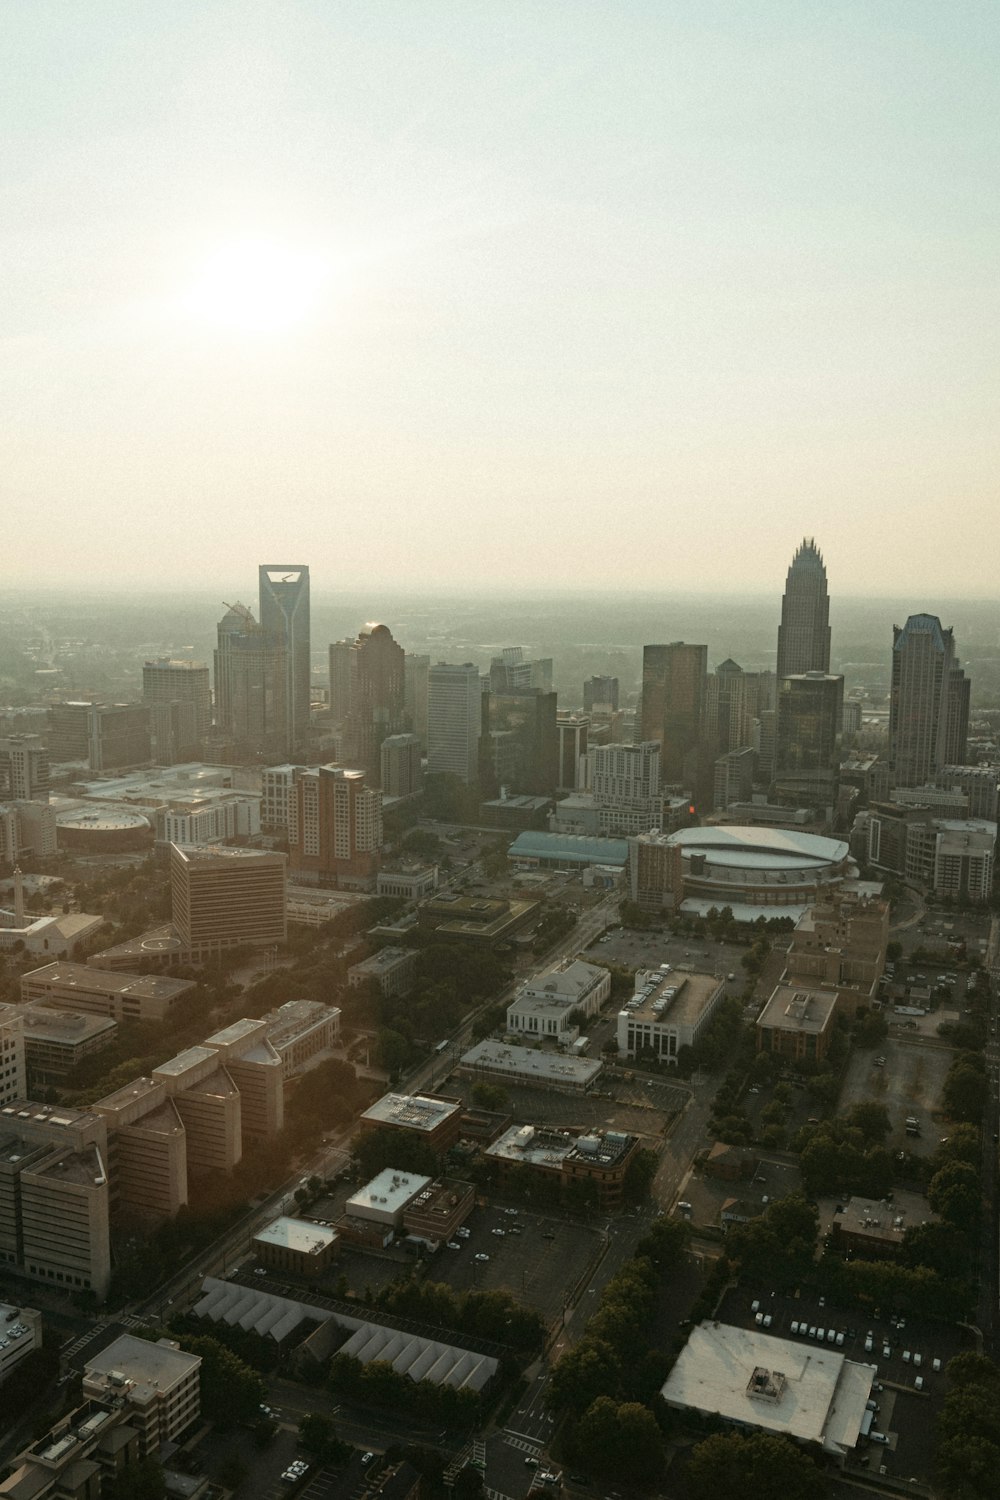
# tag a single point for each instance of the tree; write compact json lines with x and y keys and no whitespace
{"x":954,"y":1193}
{"x":230,"y":1390}
{"x":587,"y":1370}
{"x":761,"y":1465}
{"x":966,"y":1088}
{"x":871,"y":1119}
{"x":318,"y":1436}
{"x":639,"y":1175}
{"x":620,"y":1439}
{"x":490,"y":1096}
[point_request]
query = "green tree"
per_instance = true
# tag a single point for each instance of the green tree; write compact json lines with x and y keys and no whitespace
{"x":760,"y":1466}
{"x":490,"y":1096}
{"x":230,"y":1390}
{"x":871,"y":1119}
{"x":586,"y":1371}
{"x":954,"y":1193}
{"x":639,"y":1175}
{"x":318,"y":1436}
{"x":966,"y":1088}
{"x":623,"y":1440}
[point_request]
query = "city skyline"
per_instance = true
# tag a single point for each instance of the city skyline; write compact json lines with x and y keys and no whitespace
{"x":548,"y":283}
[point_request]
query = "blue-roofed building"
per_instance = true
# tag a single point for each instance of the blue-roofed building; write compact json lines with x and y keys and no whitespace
{"x":566,"y":851}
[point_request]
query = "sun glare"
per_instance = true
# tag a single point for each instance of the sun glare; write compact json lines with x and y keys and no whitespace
{"x":257,"y":286}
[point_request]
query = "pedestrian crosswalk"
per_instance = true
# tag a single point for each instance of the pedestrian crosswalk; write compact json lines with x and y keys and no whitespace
{"x":523,"y":1444}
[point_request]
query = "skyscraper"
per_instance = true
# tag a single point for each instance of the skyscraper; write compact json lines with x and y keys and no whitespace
{"x":673,"y":702}
{"x":284,"y":612}
{"x":454,"y":718}
{"x":250,"y":682}
{"x":929,"y":702}
{"x":804,"y":632}
{"x":807,"y":748}
{"x":179,"y":700}
{"x":367,"y":693}
{"x":336,"y":833}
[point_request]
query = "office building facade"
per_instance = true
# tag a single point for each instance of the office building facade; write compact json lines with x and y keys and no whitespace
{"x":928,"y":704}
{"x":673,"y":702}
{"x":222,"y":898}
{"x":807,"y":747}
{"x":454,"y":721}
{"x":250,"y":683}
{"x":804,"y":632}
{"x":284,"y":614}
{"x":336,"y":833}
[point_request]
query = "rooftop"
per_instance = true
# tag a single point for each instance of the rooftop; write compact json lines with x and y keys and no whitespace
{"x":883,"y":1222}
{"x":794,"y":1008}
{"x":152,"y":1365}
{"x":385,"y":959}
{"x":298,"y":1235}
{"x":570,"y":848}
{"x":389,"y":1192}
{"x":530,"y":1064}
{"x":415,"y":1112}
{"x":806,"y":1392}
{"x":670,"y":997}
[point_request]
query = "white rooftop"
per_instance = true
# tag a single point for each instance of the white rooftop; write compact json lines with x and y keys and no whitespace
{"x":806,"y":1391}
{"x":532,"y":1065}
{"x":415,"y":1111}
{"x":298,"y":1235}
{"x":388,"y":1193}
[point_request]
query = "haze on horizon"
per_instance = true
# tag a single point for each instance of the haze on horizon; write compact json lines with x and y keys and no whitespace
{"x":453,"y":295}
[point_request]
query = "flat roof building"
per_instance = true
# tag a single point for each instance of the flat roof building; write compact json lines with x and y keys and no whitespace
{"x":600,"y":1158}
{"x":384,"y":1198}
{"x":100,"y":992}
{"x":20,"y":1332}
{"x":55,"y":1041}
{"x":797,"y":1022}
{"x":297,"y":1246}
{"x":436,"y":1121}
{"x":222,"y":898}
{"x":813,"y":1395}
{"x":669,"y":1010}
{"x":512,"y":1063}
{"x":159,"y":1384}
{"x":392,"y":969}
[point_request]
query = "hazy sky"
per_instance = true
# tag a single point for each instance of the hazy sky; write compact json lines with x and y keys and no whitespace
{"x":528,"y":291}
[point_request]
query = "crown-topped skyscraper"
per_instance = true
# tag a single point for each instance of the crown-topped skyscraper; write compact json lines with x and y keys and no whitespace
{"x":804,"y":632}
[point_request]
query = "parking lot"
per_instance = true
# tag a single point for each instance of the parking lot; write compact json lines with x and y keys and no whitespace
{"x":634,"y":950}
{"x":907,"y":1415}
{"x":909,"y":1084}
{"x":538,"y":1258}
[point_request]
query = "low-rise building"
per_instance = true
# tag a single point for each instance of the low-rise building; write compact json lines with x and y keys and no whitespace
{"x":812,"y":1395}
{"x":296,"y":1247}
{"x":159,"y":1384}
{"x":392,"y":969}
{"x":513,"y":1063}
{"x":875,"y":1227}
{"x":669,"y":1010}
{"x":55,"y":1041}
{"x":598,"y":1158}
{"x":79,"y":1458}
{"x":383,"y":1200}
{"x":476,"y":918}
{"x":439,"y":1210}
{"x":553,"y":1003}
{"x":99,"y":992}
{"x":302,"y":1033}
{"x":410,"y":882}
{"x":434,"y":1120}
{"x":797,"y":1023}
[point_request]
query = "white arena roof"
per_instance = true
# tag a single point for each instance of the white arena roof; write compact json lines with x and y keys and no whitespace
{"x":804,"y":1391}
{"x":758,"y":848}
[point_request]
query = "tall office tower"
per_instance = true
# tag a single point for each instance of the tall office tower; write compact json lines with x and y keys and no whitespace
{"x":343,"y":663}
{"x":625,"y":780}
{"x":928,"y":704}
{"x":673,"y":701}
{"x":415,"y":670}
{"x":367,"y":684}
{"x":807,"y":743}
{"x":454,"y":721}
{"x":284,"y":611}
{"x":519,"y":747}
{"x":600,"y":692}
{"x":24,"y":768}
{"x":250,"y":683}
{"x":402,"y":766}
{"x":804,"y":632}
{"x":730,"y":707}
{"x":181,"y":682}
{"x":573,"y":731}
{"x":221,"y":898}
{"x":337,"y":833}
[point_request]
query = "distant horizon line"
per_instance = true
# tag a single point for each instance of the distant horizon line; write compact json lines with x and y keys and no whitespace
{"x":541,"y":592}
